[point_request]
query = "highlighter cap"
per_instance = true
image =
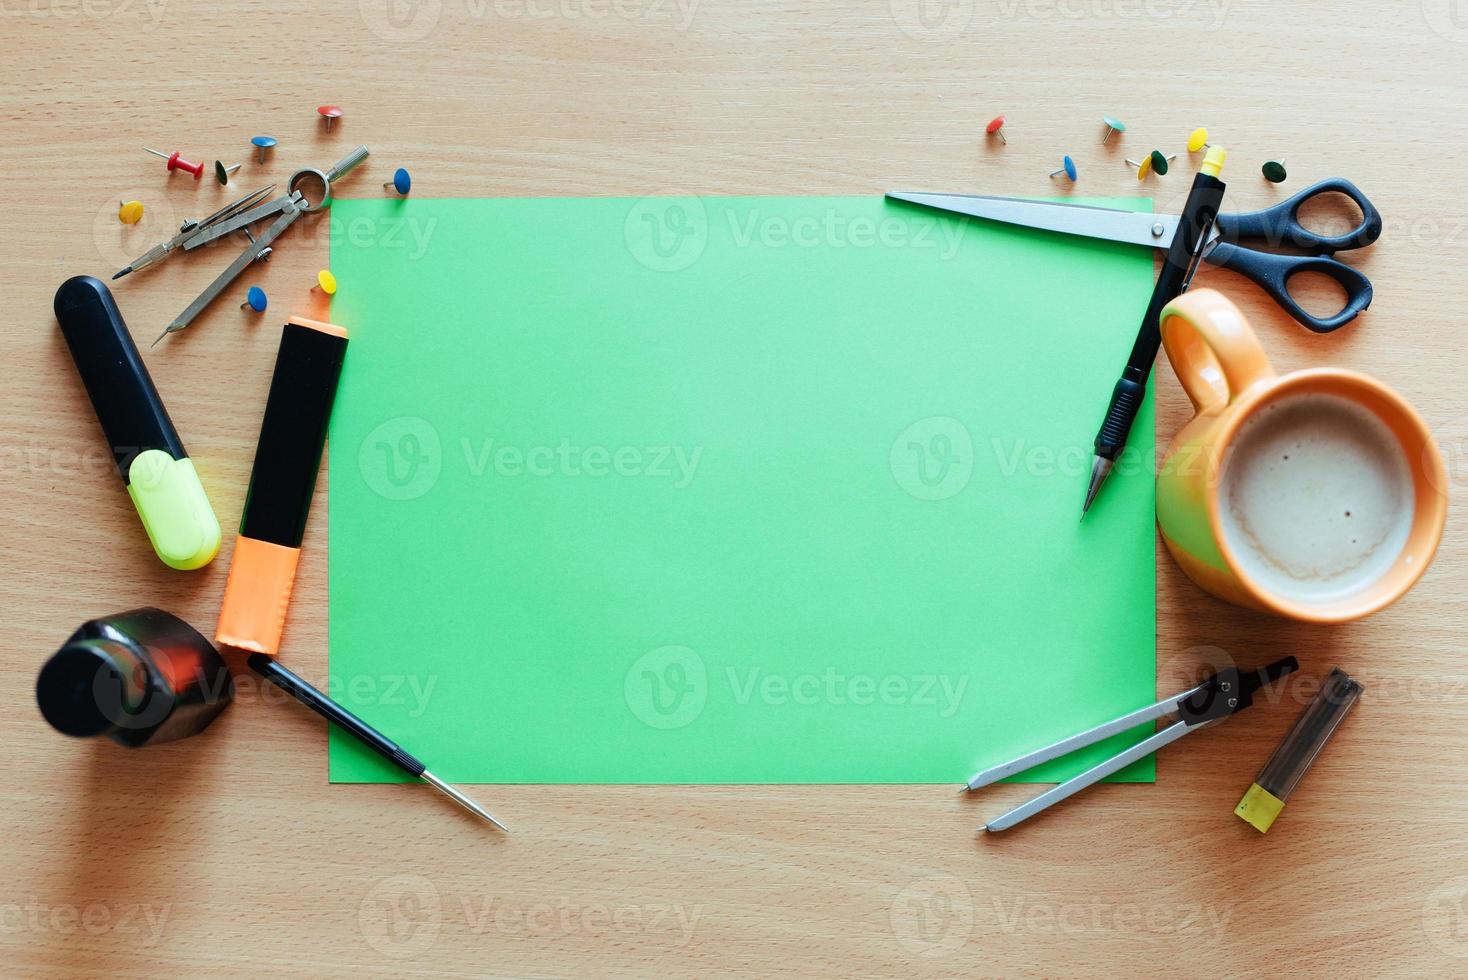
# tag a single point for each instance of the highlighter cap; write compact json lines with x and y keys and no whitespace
{"x":256,"y":595}
{"x":170,"y":499}
{"x":1213,"y":161}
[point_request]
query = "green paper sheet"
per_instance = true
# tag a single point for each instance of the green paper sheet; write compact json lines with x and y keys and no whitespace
{"x":730,"y":490}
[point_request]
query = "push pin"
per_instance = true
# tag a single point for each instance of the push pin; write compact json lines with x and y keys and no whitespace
{"x":326,"y":282}
{"x":1198,"y":139}
{"x":401,"y":182}
{"x":1152,"y":162}
{"x":1112,"y":126}
{"x":1274,"y":171}
{"x":331,"y":113}
{"x":176,"y":162}
{"x":263,"y":144}
{"x":1067,"y":167}
{"x":221,"y":172}
{"x":996,"y":128}
{"x":129,"y":212}
{"x":255,"y":300}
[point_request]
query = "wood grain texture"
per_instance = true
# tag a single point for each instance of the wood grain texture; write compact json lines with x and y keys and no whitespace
{"x":230,"y":853}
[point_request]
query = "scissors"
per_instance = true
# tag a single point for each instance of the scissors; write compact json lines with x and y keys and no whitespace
{"x":238,"y":216}
{"x":1273,"y":227}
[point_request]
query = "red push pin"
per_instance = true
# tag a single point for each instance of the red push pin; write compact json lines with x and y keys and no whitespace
{"x":331,"y":113}
{"x":996,"y":128}
{"x":176,"y":162}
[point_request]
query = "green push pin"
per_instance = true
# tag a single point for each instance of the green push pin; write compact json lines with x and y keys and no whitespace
{"x":1154,"y":162}
{"x":1274,"y":171}
{"x":223,"y":173}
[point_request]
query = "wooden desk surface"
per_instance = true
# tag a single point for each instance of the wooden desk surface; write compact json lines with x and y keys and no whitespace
{"x":230,"y":852}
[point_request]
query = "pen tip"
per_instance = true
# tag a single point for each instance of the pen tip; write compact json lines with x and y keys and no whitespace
{"x":1100,"y":467}
{"x":461,"y":799}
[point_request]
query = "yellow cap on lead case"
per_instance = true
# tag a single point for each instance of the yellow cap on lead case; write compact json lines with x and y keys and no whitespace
{"x":1258,"y":808}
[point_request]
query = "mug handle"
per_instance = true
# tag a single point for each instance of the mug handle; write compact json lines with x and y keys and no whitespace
{"x":1212,"y":348}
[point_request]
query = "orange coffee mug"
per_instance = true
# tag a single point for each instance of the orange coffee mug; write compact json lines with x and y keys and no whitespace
{"x":1318,"y":495}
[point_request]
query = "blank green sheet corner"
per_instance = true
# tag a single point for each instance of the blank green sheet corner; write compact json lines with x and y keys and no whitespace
{"x":730,"y":490}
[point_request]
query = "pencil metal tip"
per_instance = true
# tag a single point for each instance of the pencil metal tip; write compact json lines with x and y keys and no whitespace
{"x":965,"y":788}
{"x":121,"y":272}
{"x":1100,"y":467}
{"x":461,"y":799}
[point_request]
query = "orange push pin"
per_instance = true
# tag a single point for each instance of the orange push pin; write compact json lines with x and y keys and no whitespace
{"x":129,"y":212}
{"x":996,"y":128}
{"x":331,"y":113}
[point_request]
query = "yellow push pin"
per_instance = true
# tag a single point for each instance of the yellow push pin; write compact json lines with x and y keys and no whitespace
{"x":1154,"y":162}
{"x":326,"y":282}
{"x":129,"y":212}
{"x":1198,"y":139}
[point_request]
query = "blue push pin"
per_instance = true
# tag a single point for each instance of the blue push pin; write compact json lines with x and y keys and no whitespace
{"x":262,"y":143}
{"x":255,"y":299}
{"x":1067,"y":167}
{"x":400,"y":182}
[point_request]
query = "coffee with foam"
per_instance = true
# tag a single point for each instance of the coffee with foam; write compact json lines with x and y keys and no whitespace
{"x":1316,"y":499}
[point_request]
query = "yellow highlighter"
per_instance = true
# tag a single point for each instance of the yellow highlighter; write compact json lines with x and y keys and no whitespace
{"x":159,"y":476}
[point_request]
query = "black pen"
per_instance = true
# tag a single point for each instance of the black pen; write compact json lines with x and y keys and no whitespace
{"x":324,"y":706}
{"x":1178,"y":267}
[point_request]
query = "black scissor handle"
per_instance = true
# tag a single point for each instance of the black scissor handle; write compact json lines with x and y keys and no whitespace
{"x":1279,"y":226}
{"x":1273,"y":272}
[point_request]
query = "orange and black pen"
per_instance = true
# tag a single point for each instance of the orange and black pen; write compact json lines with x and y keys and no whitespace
{"x":292,"y":436}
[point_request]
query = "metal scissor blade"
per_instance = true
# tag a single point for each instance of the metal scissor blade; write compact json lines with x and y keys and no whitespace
{"x":1131,"y":227}
{"x":1090,"y":777}
{"x":1090,"y":736}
